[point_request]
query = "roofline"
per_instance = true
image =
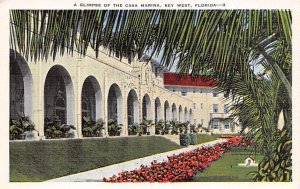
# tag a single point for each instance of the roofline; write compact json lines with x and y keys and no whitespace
{"x":192,"y":86}
{"x":156,"y":62}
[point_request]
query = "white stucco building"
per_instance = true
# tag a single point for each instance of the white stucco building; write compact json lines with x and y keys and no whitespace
{"x":72,"y":86}
{"x":210,"y":109}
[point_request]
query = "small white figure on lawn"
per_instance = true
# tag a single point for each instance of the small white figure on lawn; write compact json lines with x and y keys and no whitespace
{"x":249,"y":162}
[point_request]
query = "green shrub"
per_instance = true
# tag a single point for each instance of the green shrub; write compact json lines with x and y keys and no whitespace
{"x":47,"y":159}
{"x":18,"y":127}
{"x":193,"y":138}
{"x":185,"y":139}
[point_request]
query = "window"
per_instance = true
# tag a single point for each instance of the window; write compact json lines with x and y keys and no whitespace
{"x":215,"y":125}
{"x":194,"y":105}
{"x":194,"y":90}
{"x":200,"y":90}
{"x":201,"y":106}
{"x":173,"y":90}
{"x":215,"y":108}
{"x":183,"y":93}
{"x":226,"y":109}
{"x":227,"y":126}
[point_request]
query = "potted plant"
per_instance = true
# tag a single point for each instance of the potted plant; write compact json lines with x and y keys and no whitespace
{"x":87,"y":132}
{"x":185,"y":127}
{"x":114,"y":129}
{"x":56,"y":133}
{"x":159,"y":127}
{"x":146,"y":125}
{"x":133,"y":128}
{"x":55,"y":129}
{"x":19,"y":126}
{"x":175,"y":126}
{"x":87,"y":126}
{"x":139,"y":130}
{"x":167,"y":127}
{"x":15,"y":130}
{"x":98,"y":128}
{"x":65,"y":129}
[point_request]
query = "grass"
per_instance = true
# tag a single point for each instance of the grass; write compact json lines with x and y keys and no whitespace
{"x":226,"y":168}
{"x":202,"y":138}
{"x":43,"y":160}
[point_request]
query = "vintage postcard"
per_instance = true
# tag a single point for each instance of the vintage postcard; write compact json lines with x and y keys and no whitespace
{"x":155,"y":93}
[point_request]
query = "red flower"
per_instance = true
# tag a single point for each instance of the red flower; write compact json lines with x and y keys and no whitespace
{"x":181,"y":167}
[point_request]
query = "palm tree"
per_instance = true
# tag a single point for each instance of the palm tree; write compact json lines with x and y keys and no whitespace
{"x":228,"y":46}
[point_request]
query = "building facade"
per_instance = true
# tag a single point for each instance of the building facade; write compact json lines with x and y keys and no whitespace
{"x":211,"y":109}
{"x":71,"y":87}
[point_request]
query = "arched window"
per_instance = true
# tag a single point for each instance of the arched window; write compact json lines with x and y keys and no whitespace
{"x":146,"y":107}
{"x":20,"y":87}
{"x":132,"y":107}
{"x":59,"y":95}
{"x":157,"y":110}
{"x":114,"y":104}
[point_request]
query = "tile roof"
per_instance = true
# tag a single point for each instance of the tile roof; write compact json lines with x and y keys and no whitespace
{"x":173,"y":79}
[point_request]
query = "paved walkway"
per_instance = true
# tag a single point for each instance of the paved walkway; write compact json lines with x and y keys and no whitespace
{"x":97,"y":175}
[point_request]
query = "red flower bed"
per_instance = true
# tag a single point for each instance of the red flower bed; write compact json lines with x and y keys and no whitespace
{"x":181,"y":167}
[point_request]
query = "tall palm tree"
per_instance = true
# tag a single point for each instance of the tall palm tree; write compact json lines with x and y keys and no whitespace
{"x":228,"y":46}
{"x":220,"y":39}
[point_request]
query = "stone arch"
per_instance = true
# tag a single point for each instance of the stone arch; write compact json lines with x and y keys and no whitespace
{"x":157,"y":110}
{"x":185,"y":114}
{"x":166,"y":111}
{"x":91,"y":98}
{"x":146,"y":107}
{"x":174,"y":112}
{"x":59,"y":88}
{"x":21,"y":84}
{"x":132,"y":107}
{"x":180,"y":113}
{"x":114,"y":103}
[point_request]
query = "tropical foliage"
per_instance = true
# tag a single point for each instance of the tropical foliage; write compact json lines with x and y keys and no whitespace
{"x":18,"y":127}
{"x":135,"y":129}
{"x":194,"y":128}
{"x":92,"y":128}
{"x":201,"y":40}
{"x":159,"y":127}
{"x":55,"y":129}
{"x":246,"y":52}
{"x":114,"y":129}
{"x":279,"y":166}
{"x":146,"y":125}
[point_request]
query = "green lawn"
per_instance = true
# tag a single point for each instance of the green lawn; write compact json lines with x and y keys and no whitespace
{"x":226,"y":168}
{"x":43,"y":160}
{"x":202,"y":138}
